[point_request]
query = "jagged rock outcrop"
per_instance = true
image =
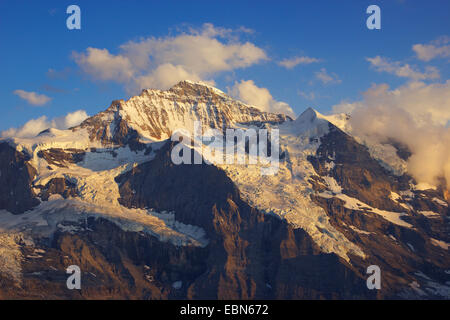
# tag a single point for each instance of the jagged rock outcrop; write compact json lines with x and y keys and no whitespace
{"x":16,"y":175}
{"x":356,"y":171}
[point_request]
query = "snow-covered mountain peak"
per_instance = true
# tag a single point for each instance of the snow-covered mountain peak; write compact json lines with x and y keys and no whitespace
{"x":189,"y":90}
{"x":155,"y":114}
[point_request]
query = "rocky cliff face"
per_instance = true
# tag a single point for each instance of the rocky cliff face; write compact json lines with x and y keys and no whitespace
{"x":250,"y":255}
{"x":107,"y":197}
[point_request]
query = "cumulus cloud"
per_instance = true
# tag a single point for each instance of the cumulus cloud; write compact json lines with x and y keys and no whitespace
{"x":439,"y":48}
{"x":160,"y":63}
{"x":403,"y":70}
{"x":261,"y":98}
{"x":416,"y":115}
{"x":326,"y":77}
{"x":295,"y":61}
{"x":35,"y":126}
{"x":103,"y":65}
{"x":33,"y":98}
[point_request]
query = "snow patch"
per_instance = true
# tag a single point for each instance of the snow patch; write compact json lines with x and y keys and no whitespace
{"x":439,"y":243}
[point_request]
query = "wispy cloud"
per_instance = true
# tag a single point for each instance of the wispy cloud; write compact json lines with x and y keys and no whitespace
{"x":34,"y":126}
{"x":439,"y":48}
{"x":250,"y":93}
{"x":327,"y":78}
{"x":198,"y":54}
{"x":33,"y":98}
{"x":403,"y":70}
{"x":295,"y":61}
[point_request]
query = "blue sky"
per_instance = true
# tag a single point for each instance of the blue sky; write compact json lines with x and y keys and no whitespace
{"x":37,"y":50}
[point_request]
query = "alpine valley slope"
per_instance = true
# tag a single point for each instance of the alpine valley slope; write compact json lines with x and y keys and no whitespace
{"x":106,"y":196}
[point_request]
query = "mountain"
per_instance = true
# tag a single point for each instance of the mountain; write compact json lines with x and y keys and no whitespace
{"x":107,"y":196}
{"x":154,"y":114}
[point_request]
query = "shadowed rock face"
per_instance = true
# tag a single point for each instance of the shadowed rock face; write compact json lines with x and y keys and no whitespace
{"x":250,"y":255}
{"x":59,"y":186}
{"x":110,"y":128}
{"x":61,"y":157}
{"x":16,"y":176}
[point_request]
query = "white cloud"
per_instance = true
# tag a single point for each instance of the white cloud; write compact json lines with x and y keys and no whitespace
{"x":295,"y":61}
{"x":326,"y":77}
{"x":261,"y":98}
{"x":33,"y":98}
{"x":415,"y":114}
{"x":307,"y":95}
{"x":382,"y":64}
{"x":35,"y":126}
{"x":345,"y":107}
{"x":439,"y":48}
{"x":162,"y":62}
